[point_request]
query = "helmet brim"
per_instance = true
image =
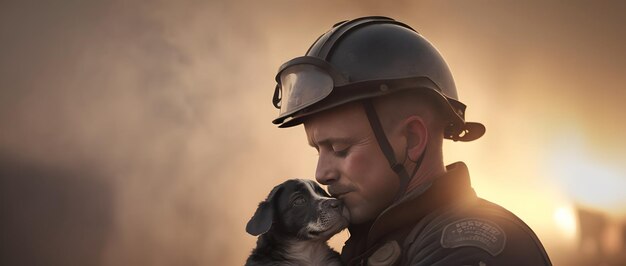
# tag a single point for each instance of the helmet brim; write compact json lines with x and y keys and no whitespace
{"x":458,"y":131}
{"x":471,"y":131}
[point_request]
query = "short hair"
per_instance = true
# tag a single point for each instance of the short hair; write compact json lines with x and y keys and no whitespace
{"x":395,"y":107}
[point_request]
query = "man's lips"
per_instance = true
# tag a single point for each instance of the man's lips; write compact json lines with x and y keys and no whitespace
{"x":339,"y":194}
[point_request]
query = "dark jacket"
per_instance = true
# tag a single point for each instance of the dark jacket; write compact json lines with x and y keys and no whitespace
{"x":444,"y":223}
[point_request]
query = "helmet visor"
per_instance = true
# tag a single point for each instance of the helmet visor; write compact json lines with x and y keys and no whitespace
{"x":302,"y":85}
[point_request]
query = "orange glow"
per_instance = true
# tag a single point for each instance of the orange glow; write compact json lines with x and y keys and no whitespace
{"x":587,"y":180}
{"x":565,"y":218}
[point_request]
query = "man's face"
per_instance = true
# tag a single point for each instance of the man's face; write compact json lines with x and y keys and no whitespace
{"x":350,"y":161}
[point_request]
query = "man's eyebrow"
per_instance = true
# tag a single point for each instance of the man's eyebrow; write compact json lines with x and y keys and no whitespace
{"x":329,"y":141}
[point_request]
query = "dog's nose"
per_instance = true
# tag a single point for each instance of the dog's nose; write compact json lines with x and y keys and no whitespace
{"x":333,"y":203}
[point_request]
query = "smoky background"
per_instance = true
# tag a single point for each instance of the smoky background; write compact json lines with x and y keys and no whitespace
{"x":138,"y":132}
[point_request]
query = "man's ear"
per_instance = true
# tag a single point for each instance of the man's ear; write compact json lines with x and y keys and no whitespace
{"x":262,"y":220}
{"x":417,"y":136}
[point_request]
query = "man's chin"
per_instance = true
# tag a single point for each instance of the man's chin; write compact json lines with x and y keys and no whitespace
{"x":357,"y":212}
{"x":356,"y":217}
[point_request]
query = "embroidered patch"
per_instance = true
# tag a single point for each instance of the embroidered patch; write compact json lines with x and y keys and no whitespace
{"x":476,"y":233}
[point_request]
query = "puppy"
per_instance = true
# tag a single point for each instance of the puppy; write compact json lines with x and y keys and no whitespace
{"x":294,"y":223}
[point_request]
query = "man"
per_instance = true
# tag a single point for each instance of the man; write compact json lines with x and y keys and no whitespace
{"x":377,"y":100}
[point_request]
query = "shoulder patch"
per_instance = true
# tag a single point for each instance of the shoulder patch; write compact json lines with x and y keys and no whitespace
{"x":476,"y":233}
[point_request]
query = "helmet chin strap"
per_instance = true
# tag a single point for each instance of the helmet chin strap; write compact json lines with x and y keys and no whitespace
{"x":385,"y":146}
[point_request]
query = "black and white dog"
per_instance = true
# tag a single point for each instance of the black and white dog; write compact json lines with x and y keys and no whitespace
{"x":294,"y":223}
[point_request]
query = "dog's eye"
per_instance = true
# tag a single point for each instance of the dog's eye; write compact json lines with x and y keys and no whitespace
{"x":299,"y":201}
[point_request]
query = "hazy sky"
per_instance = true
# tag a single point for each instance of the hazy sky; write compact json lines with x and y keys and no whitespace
{"x":157,"y":113}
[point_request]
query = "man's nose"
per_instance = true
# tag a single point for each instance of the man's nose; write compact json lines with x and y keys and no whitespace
{"x":325,"y":172}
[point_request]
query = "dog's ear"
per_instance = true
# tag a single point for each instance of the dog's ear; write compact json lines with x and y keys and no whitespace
{"x":263,"y":218}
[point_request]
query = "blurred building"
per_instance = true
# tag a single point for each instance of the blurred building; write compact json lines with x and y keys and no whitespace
{"x":602,"y":239}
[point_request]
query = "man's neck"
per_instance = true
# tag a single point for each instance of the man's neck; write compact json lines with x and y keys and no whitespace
{"x":431,"y":168}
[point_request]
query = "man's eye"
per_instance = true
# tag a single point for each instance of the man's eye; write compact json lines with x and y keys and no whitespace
{"x":341,"y":153}
{"x":299,"y":201}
